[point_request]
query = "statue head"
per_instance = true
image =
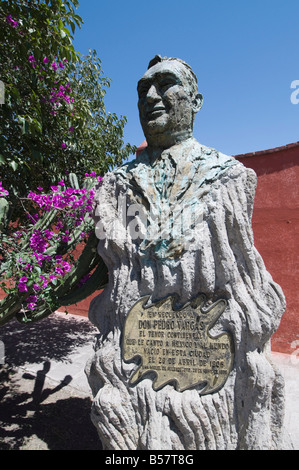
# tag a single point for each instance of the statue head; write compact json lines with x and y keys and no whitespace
{"x":168,"y":100}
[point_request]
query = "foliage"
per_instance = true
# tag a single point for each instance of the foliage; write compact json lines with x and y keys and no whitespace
{"x":53,"y":127}
{"x":39,"y":268}
{"x":54,"y":115}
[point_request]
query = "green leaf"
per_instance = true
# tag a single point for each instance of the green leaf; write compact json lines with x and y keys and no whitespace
{"x":38,"y":269}
{"x":78,"y":20}
{"x":37,"y":125}
{"x":36,"y":155}
{"x":73,"y":27}
{"x":13,"y":165}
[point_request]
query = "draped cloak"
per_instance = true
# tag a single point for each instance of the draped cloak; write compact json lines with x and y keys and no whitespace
{"x":213,"y":255}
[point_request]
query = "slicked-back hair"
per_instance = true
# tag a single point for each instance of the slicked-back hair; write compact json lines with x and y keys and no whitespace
{"x":190,"y":75}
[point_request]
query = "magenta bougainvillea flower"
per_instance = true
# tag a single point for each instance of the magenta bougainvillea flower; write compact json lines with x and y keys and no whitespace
{"x":12,"y":22}
{"x":38,"y":268}
{"x":3,"y":191}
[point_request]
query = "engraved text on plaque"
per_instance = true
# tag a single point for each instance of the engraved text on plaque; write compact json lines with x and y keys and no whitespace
{"x":177,"y":345}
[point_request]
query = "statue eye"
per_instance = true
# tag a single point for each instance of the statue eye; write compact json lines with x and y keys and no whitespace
{"x":142,"y":90}
{"x":165,"y":85}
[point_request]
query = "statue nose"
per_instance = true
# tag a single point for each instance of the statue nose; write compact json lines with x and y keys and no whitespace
{"x":152,"y":94}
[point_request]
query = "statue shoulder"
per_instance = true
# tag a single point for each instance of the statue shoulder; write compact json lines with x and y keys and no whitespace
{"x":127,"y":167}
{"x":230,"y":161}
{"x":217,"y":166}
{"x":213,"y":154}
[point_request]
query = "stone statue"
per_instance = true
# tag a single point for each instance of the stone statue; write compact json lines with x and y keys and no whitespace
{"x":189,"y":297}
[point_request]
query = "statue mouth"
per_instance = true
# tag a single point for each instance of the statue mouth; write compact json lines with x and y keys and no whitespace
{"x":156,"y":112}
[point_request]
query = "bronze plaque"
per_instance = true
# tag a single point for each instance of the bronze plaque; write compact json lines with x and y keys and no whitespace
{"x":176,"y":344}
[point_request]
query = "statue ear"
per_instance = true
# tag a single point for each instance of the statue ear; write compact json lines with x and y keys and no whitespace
{"x":197,"y":102}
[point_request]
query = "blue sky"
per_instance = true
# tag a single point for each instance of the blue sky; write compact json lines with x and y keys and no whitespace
{"x":244,"y":53}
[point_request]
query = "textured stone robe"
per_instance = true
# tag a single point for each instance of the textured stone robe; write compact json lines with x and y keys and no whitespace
{"x":216,"y":258}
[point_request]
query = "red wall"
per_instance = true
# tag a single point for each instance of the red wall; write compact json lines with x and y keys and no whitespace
{"x":276,"y":229}
{"x":81,"y":308}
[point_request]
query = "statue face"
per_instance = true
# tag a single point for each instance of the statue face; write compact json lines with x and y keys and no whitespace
{"x":166,"y":103}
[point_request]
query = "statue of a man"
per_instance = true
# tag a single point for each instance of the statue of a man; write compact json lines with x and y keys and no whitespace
{"x":176,"y":221}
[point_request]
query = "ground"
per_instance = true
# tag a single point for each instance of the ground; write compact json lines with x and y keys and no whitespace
{"x":45,"y":400}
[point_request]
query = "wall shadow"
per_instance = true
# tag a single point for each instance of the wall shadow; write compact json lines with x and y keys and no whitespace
{"x":61,"y":424}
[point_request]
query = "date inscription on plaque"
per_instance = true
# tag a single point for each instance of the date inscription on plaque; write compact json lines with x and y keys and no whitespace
{"x":177,"y":344}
